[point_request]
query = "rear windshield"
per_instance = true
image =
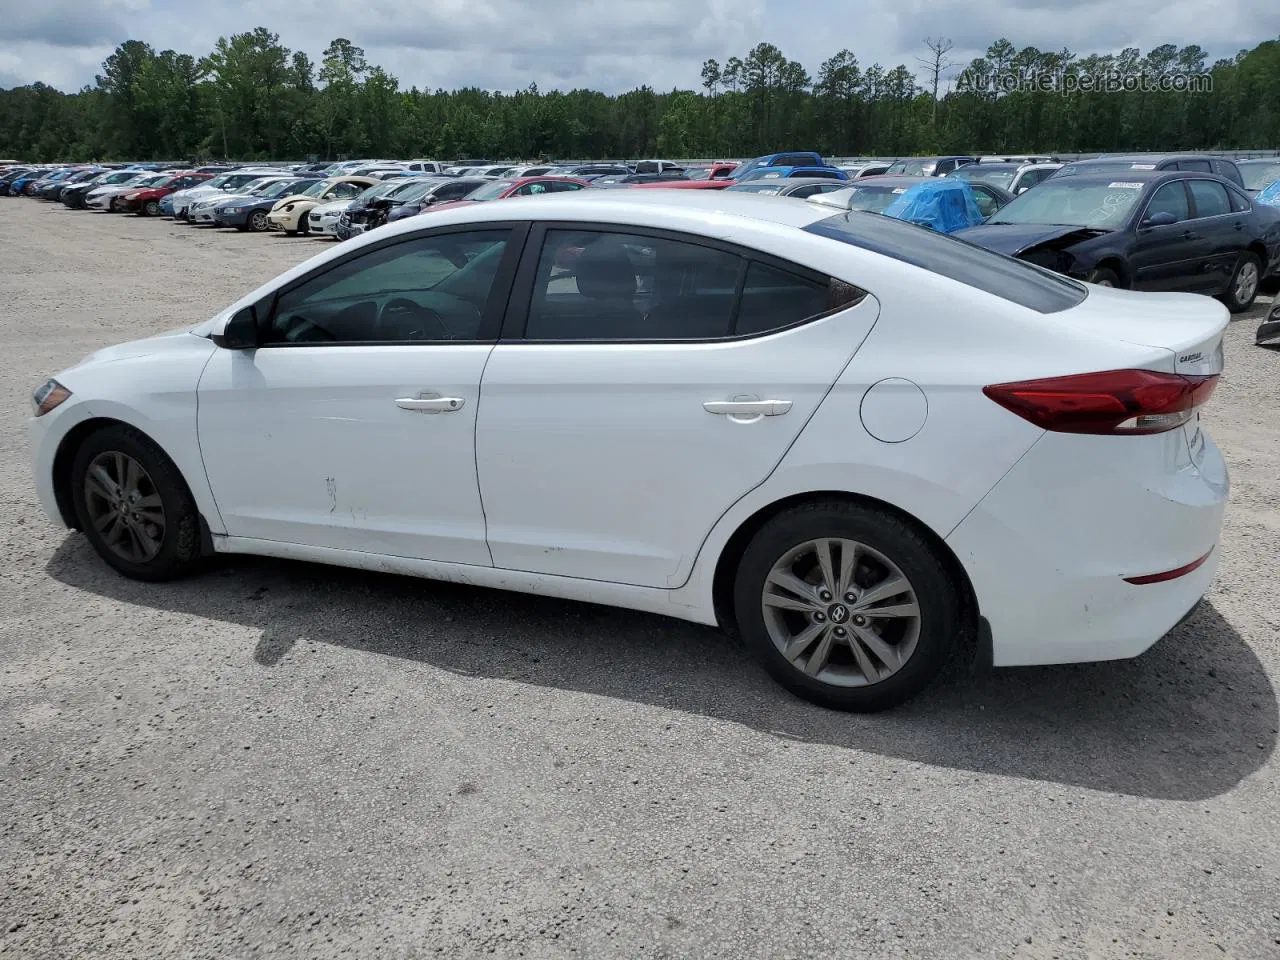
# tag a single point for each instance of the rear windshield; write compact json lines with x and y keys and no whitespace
{"x":1014,"y":280}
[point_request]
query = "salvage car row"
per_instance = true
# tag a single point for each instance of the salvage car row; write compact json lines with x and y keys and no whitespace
{"x":1176,"y":222}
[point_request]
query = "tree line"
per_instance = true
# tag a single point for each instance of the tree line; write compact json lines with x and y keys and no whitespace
{"x":253,"y":98}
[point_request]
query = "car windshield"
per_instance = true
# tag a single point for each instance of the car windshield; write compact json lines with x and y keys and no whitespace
{"x":872,"y":197}
{"x":161,"y":182}
{"x":1258,"y":175}
{"x":1001,"y":177}
{"x":219,"y":181}
{"x":1075,"y":203}
{"x":411,"y":190}
{"x":757,"y":186}
{"x":909,"y":168}
{"x":262,"y":189}
{"x":1006,"y":277}
{"x":490,"y":191}
{"x":316,"y":189}
{"x":286,"y":188}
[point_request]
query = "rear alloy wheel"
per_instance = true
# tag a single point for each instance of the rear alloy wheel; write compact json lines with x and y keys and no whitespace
{"x":151,"y":208}
{"x":1103,"y":277}
{"x":1244,"y":284}
{"x":258,"y":221}
{"x":133,"y":505}
{"x":846,"y":606}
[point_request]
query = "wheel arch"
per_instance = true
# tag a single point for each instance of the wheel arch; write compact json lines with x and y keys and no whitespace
{"x":65,"y":457}
{"x":1117,"y":265}
{"x":726,"y":566}
{"x":1259,"y":250}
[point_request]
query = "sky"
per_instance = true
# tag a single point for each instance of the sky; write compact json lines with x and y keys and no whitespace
{"x":610,"y":45}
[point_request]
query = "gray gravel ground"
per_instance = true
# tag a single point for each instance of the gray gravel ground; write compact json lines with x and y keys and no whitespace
{"x":285,"y":760}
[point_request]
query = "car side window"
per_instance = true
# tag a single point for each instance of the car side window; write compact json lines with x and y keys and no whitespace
{"x":1210,"y":198}
{"x":1228,"y":170}
{"x":1170,"y":198}
{"x":1239,"y":202}
{"x":422,"y":290}
{"x":562,"y":186}
{"x":774,"y":298}
{"x":593,"y":285}
{"x":1198,"y":166}
{"x":988,"y":203}
{"x":944,"y":167}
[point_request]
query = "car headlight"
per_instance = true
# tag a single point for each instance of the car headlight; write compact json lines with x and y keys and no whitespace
{"x":231,"y":210}
{"x":288,"y":207}
{"x":50,"y":396}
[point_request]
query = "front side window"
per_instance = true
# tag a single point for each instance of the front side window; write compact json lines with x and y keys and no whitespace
{"x":428,"y":289}
{"x":343,"y":191}
{"x":988,"y":203}
{"x":1170,"y":198}
{"x":1210,"y":197}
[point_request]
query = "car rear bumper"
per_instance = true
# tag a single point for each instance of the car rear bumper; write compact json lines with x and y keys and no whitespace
{"x":1049,"y":570}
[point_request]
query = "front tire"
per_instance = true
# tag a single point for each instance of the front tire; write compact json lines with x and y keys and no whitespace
{"x":846,"y":606}
{"x":258,"y":221}
{"x":1243,"y":288}
{"x":151,"y":208}
{"x":1103,"y":277}
{"x":133,"y":505}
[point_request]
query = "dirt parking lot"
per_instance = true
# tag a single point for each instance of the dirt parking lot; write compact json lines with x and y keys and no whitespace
{"x":283,"y":760}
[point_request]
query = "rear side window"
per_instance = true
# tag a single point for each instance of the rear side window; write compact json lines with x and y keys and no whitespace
{"x":1210,"y":197}
{"x":597,"y":285}
{"x":1198,"y":166}
{"x":1227,"y":169}
{"x":994,"y":273}
{"x":1239,"y":202}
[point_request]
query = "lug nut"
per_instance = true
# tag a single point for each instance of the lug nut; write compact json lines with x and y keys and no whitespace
{"x":824,"y":596}
{"x":820,"y":617}
{"x":839,"y":631}
{"x":850,"y":597}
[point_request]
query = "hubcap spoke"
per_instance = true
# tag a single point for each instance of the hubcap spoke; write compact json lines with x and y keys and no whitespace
{"x":883,"y":652}
{"x":827,"y":565}
{"x":797,"y":587}
{"x":821,"y":654}
{"x":869,"y":669}
{"x":883,"y":590}
{"x":802,"y":641}
{"x":896,"y":610}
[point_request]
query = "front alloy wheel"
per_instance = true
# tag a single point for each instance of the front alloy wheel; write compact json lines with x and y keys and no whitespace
{"x":258,"y":221}
{"x":124,"y":506}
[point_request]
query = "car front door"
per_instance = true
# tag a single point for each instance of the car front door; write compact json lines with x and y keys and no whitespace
{"x":1224,"y":232}
{"x":1169,"y":256}
{"x":351,"y":426}
{"x":644,"y":383}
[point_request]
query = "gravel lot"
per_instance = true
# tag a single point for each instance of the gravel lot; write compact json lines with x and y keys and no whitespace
{"x":277,"y":759}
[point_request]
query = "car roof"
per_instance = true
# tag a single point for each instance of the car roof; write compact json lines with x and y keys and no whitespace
{"x":1139,"y":176}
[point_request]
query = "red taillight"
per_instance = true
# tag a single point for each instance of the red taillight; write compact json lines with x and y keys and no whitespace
{"x":1128,"y":402}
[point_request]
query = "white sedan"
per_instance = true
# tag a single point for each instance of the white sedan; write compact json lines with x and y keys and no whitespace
{"x":851,"y":440}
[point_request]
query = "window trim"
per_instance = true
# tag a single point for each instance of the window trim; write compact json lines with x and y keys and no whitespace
{"x":490,"y":318}
{"x":1146,"y":207}
{"x":516,"y":318}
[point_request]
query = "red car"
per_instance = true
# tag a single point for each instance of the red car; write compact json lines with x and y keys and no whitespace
{"x":519,"y":187}
{"x":146,"y":202}
{"x":686,"y":185}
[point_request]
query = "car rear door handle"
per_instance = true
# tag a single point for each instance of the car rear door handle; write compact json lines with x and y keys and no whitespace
{"x":748,"y":408}
{"x":430,"y":404}
{"x":1239,"y":225}
{"x":1188,"y":235}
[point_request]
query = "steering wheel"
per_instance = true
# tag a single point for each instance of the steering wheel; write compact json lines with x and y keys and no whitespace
{"x":412,"y":321}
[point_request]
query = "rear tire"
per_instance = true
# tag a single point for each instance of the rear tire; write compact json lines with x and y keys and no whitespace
{"x":859,"y":656}
{"x":133,"y":505}
{"x":1243,"y":286}
{"x":151,"y":208}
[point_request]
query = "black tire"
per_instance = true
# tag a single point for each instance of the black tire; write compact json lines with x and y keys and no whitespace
{"x":258,"y":221}
{"x":1103,"y":277}
{"x":938,"y":597}
{"x":179,"y":552}
{"x":151,"y":208}
{"x":1232,"y":298}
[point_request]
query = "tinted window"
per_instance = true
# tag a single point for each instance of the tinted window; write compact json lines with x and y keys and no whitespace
{"x":615,"y":286}
{"x":773,"y":298}
{"x":967,"y":263}
{"x":1239,"y":202}
{"x":1170,"y":198}
{"x":425,"y":289}
{"x":988,"y":203}
{"x":1199,"y":166}
{"x":1211,"y":198}
{"x":341,"y":191}
{"x":1225,"y":168}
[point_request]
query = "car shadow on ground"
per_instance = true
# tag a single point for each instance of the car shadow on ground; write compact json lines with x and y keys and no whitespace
{"x":1188,"y":720}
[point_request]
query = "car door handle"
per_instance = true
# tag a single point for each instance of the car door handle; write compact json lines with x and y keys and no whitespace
{"x":1188,"y":235}
{"x":748,"y":408}
{"x":430,"y":404}
{"x":1239,"y":225}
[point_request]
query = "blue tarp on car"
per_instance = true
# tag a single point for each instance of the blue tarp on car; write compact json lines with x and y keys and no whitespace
{"x":1270,"y":194}
{"x":942,"y":205}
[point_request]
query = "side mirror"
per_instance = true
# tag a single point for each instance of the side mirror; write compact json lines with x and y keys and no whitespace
{"x":241,"y":331}
{"x":1162,"y":219}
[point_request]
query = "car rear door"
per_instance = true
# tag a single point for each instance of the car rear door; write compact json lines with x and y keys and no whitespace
{"x":1223,"y":230}
{"x":646,"y":381}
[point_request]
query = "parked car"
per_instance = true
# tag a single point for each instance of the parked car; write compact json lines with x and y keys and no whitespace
{"x":1153,"y":230}
{"x":145,"y":201}
{"x":748,"y":169}
{"x":780,"y":173}
{"x":722,"y":183}
{"x":73,"y":195}
{"x":18,"y":185}
{"x":928,"y":166}
{"x":871,"y":168}
{"x":369,"y":210}
{"x":503,"y":189}
{"x":1012,"y":178}
{"x":797,"y":187}
{"x":291,"y":213}
{"x":202,"y":211}
{"x":661,"y":167}
{"x":584,"y":171}
{"x":1258,"y":174}
{"x":107,"y":197}
{"x":425,"y":167}
{"x":322,"y":219}
{"x":1134,"y":163}
{"x":1036,"y":475}
{"x":452,"y":188}
{"x":52,"y":192}
{"x":631,"y":178}
{"x":10,"y":176}
{"x":536,"y":170}
{"x":716,"y":171}
{"x":250,"y":212}
{"x":222,"y":183}
{"x":878,"y":194}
